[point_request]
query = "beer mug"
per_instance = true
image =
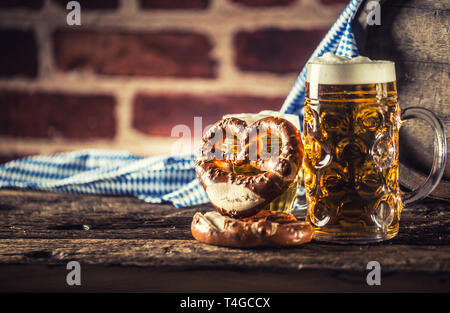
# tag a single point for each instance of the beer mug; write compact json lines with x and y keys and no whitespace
{"x":351,"y":132}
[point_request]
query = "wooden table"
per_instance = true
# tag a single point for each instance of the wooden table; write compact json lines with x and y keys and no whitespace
{"x":124,"y":244}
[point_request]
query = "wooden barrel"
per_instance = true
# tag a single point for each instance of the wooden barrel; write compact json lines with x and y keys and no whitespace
{"x":415,"y":34}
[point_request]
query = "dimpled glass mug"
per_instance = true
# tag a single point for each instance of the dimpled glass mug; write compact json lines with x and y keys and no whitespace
{"x":351,"y":129}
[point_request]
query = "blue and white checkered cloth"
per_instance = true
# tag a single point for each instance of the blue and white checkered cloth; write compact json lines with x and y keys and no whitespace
{"x":153,"y":179}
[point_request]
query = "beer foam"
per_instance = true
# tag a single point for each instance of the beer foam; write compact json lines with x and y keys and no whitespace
{"x":339,"y":70}
{"x":249,"y":118}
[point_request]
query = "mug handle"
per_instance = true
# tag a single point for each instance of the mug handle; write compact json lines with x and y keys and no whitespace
{"x":440,"y":154}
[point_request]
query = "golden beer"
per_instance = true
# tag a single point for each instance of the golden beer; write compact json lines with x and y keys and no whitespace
{"x":351,"y":153}
{"x":285,"y":202}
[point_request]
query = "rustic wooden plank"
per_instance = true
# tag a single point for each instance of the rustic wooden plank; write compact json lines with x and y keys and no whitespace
{"x":48,"y":215}
{"x":429,"y":45}
{"x":26,"y":214}
{"x":190,"y":255}
{"x":46,"y":228}
{"x":420,"y":4}
{"x":398,"y":37}
{"x":425,"y":85}
{"x":411,"y":179}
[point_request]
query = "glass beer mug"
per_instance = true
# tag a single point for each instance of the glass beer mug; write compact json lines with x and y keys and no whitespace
{"x":351,"y":129}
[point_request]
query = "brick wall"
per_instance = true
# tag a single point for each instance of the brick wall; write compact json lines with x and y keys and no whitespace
{"x":136,"y":68}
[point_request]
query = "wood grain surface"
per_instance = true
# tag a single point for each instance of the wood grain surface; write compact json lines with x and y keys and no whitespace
{"x":44,"y":231}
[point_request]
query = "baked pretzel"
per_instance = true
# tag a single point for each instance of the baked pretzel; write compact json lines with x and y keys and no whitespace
{"x":265,"y":229}
{"x":239,"y":195}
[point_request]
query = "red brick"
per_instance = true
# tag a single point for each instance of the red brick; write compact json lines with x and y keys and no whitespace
{"x":29,"y":4}
{"x":158,"y":114}
{"x":51,"y":115}
{"x":174,"y":4}
{"x":275,"y":50}
{"x":331,"y":2}
{"x":19,"y":55}
{"x":162,"y":54}
{"x":264,"y":3}
{"x":92,"y":5}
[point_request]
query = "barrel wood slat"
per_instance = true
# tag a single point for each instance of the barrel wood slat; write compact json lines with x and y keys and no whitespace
{"x":415,"y":34}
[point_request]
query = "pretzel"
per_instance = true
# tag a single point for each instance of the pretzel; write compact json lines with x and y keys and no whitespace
{"x":266,"y":229}
{"x":238,"y":195}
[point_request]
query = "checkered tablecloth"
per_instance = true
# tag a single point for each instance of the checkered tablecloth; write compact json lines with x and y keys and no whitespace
{"x":153,"y":179}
